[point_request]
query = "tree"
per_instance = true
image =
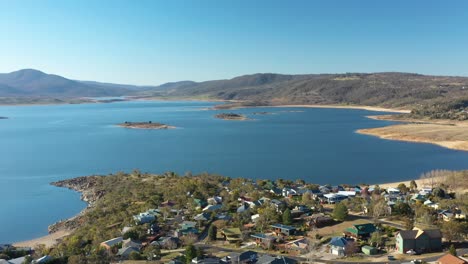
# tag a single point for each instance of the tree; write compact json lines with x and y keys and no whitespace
{"x":287,"y":217}
{"x":200,"y":252}
{"x":453,"y":250}
{"x":376,"y":239}
{"x":413,"y":185}
{"x":340,"y":212}
{"x":190,"y":253}
{"x":409,"y":223}
{"x":132,"y":234}
{"x":134,"y":256}
{"x":402,"y":209}
{"x":402,"y":187}
{"x":152,"y":252}
{"x":439,"y":192}
{"x":453,"y":230}
{"x":212,"y":232}
{"x":351,"y":248}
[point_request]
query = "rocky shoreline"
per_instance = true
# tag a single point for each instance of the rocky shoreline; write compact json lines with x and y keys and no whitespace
{"x":231,"y":116}
{"x":145,"y":125}
{"x":84,"y":185}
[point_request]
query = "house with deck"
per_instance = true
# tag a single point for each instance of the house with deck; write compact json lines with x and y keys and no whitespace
{"x":283,"y":229}
{"x":263,"y":239}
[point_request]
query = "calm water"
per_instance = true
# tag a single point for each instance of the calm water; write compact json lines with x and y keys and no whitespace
{"x":41,"y":144}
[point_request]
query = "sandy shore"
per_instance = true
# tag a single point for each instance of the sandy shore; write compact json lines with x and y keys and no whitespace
{"x":445,"y":133}
{"x":48,"y":240}
{"x":370,"y":108}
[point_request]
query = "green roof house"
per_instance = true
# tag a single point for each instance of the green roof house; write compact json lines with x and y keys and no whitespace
{"x":360,"y":231}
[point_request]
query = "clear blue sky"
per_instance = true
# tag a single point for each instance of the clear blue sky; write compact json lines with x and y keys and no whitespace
{"x":152,"y":42}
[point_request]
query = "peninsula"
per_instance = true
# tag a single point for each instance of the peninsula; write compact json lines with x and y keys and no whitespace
{"x":145,"y":125}
{"x":231,"y":116}
{"x":452,"y":134}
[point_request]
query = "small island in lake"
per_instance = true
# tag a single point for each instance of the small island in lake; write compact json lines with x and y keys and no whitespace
{"x":231,"y":116}
{"x":145,"y":125}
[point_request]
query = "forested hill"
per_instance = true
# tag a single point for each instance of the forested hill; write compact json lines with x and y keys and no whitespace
{"x":391,"y":89}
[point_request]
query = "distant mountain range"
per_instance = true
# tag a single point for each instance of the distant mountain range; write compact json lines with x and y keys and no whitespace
{"x":390,"y":89}
{"x":30,"y":82}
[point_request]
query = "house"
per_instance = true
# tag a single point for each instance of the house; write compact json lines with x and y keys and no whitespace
{"x":167,"y":242}
{"x":360,"y":231}
{"x":215,"y":200}
{"x":277,"y":204}
{"x":286,"y":192}
{"x":111,"y":242}
{"x":125,"y":252}
{"x":267,"y":259}
{"x":419,"y":240}
{"x":199,"y":203}
{"x":425,"y":191}
{"x":338,"y":246}
{"x":43,"y":259}
{"x":368,"y":250}
{"x":332,"y":198}
{"x":393,"y":191}
{"x":298,"y":246}
{"x":348,"y":194}
{"x":263,"y":239}
{"x":130,"y":243}
{"x":243,"y":208}
{"x":446,"y":215}
{"x":284,"y":229}
{"x":202,"y":217}
{"x":319,"y":220}
{"x":450,"y":259}
{"x":243,"y":257}
{"x":146,"y":217}
{"x":212,"y":208}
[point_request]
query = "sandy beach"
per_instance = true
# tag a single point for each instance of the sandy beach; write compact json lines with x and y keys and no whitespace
{"x":445,"y":133}
{"x":370,"y":108}
{"x":48,"y":240}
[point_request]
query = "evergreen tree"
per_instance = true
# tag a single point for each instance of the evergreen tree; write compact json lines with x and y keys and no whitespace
{"x":212,"y":233}
{"x":340,"y":212}
{"x":190,"y":253}
{"x":453,"y":250}
{"x":287,"y":217}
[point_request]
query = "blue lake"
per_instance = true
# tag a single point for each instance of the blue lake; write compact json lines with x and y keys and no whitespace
{"x":41,"y":144}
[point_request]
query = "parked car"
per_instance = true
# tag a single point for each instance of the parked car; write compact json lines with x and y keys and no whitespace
{"x":391,"y":258}
{"x":411,"y":252}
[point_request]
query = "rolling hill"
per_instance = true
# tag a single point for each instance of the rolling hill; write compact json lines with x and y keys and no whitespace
{"x":29,"y":82}
{"x":374,"y":89}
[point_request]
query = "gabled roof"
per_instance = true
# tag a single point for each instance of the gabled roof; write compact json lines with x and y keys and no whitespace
{"x":243,"y":256}
{"x":338,"y":242}
{"x":113,"y":241}
{"x":450,"y":259}
{"x":361,"y":229}
{"x":125,"y":251}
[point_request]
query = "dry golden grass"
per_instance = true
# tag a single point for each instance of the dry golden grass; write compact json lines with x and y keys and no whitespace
{"x":453,"y":135}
